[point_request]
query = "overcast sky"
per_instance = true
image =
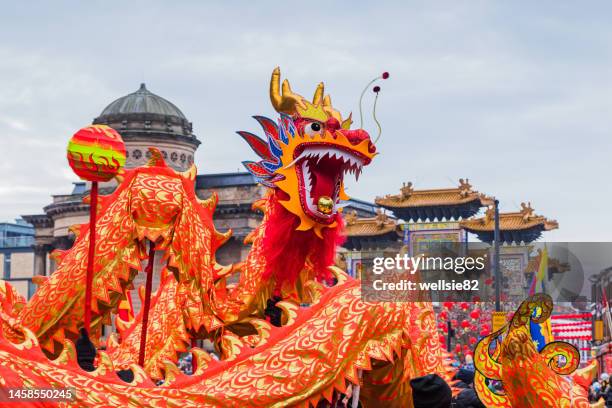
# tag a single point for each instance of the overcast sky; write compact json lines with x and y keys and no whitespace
{"x":516,"y":96}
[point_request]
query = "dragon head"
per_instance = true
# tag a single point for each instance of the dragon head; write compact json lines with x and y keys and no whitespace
{"x":307,"y":153}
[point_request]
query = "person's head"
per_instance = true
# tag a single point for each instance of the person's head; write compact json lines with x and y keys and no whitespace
{"x":469,"y":359}
{"x":604,"y":377}
{"x":466,"y":376}
{"x":596,"y":386}
{"x":430,"y":391}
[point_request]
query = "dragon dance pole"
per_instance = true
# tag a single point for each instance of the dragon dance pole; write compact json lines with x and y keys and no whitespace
{"x":147,"y":303}
{"x":95,"y":153}
{"x":93,"y":207}
{"x":496,"y":263}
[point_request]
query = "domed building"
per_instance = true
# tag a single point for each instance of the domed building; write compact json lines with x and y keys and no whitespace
{"x":144,"y":119}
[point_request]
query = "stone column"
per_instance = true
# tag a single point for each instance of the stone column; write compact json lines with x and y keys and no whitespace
{"x":41,"y":252}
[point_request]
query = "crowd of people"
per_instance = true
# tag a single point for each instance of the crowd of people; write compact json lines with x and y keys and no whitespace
{"x":601,"y":389}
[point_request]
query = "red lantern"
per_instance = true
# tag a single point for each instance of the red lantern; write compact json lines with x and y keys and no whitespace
{"x":454,"y":322}
{"x":445,"y":329}
{"x":475,"y":314}
{"x":442,"y":338}
{"x":464,"y":305}
{"x":476,"y":298}
{"x":458,"y":348}
{"x":465,"y":324}
{"x":448,"y":305}
{"x":96,"y":153}
{"x":443,"y":315}
{"x":473,"y":340}
{"x":488,"y":281}
{"x":484,"y":332}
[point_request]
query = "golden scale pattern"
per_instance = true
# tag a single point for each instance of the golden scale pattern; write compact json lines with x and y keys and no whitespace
{"x":317,"y":351}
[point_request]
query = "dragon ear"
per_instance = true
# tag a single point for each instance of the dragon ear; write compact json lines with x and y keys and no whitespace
{"x":257,"y":170}
{"x":258,"y":145}
{"x":269,"y":127}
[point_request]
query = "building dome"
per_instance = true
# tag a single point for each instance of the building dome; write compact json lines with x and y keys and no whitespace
{"x":142,"y":101}
{"x":145,"y":120}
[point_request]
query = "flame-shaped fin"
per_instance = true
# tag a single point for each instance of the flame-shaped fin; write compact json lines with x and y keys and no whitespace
{"x":67,"y":355}
{"x":250,"y":238}
{"x":29,"y":339}
{"x":314,"y":290}
{"x":263,"y":328}
{"x":290,"y":310}
{"x":105,"y":365}
{"x":259,"y":205}
{"x":191,"y":173}
{"x":211,"y":202}
{"x":231,"y":346}
{"x":171,"y":373}
{"x":140,"y":376}
{"x":339,"y":274}
{"x":202,"y":360}
{"x":222,"y":237}
{"x":156,"y":160}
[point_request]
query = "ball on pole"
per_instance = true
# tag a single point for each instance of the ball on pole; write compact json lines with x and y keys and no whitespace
{"x":96,"y":153}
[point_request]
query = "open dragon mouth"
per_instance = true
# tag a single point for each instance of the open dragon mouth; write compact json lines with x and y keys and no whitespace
{"x":321,"y":169}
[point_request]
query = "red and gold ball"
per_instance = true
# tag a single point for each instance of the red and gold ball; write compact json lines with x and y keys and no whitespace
{"x":96,"y":153}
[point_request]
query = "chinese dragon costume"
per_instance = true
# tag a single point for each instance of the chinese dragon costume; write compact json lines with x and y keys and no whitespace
{"x":512,"y":373}
{"x":322,"y":336}
{"x":290,"y":328}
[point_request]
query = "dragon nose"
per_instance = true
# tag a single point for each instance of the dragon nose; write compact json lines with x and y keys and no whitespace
{"x":357,"y":136}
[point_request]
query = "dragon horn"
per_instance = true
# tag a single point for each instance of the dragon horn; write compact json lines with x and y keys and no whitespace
{"x":284,"y":101}
{"x":317,"y":99}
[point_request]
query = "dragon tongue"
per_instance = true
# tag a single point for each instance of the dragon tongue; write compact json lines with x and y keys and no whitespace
{"x":324,"y":180}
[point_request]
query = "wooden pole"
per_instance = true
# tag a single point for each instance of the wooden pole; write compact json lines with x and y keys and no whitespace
{"x":147,"y":304}
{"x":93,"y":208}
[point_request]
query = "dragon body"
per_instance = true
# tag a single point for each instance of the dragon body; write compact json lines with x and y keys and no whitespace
{"x":531,"y":379}
{"x":291,"y":331}
{"x":309,"y":353}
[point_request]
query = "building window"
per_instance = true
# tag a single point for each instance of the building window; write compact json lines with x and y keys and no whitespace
{"x":7,"y":266}
{"x":174,"y":156}
{"x":137,"y":154}
{"x":183,"y":157}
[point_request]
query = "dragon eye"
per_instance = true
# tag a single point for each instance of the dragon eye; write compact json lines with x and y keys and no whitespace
{"x":312,"y":128}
